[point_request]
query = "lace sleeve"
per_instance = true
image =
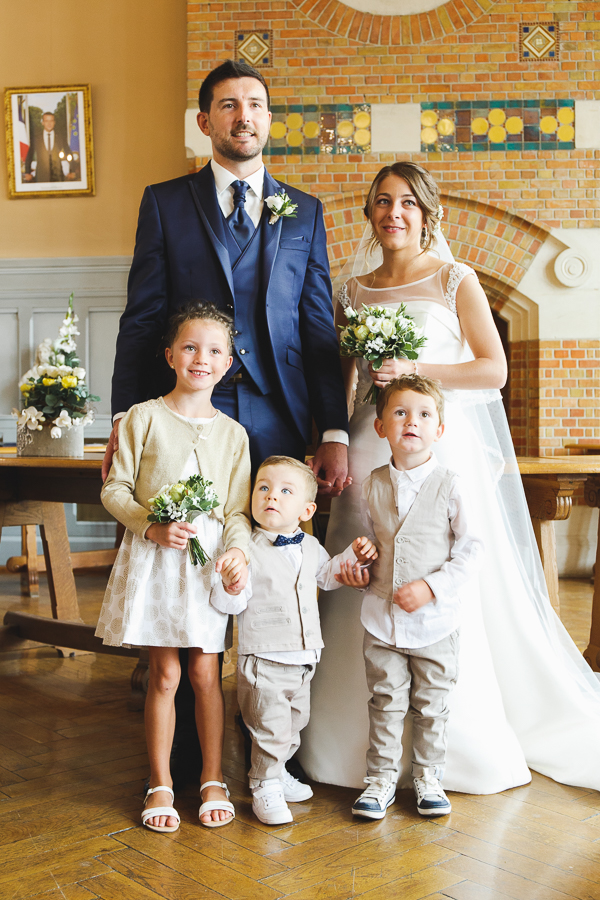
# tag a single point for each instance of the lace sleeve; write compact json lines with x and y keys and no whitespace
{"x":455,"y":276}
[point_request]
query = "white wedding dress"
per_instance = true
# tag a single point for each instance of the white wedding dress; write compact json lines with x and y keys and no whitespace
{"x":524,"y":696}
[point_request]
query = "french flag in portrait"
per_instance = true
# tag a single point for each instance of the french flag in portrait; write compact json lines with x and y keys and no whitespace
{"x":23,"y":125}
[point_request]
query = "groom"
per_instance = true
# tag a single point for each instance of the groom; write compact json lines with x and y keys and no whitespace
{"x":210,"y":236}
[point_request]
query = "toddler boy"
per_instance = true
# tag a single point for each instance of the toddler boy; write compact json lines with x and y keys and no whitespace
{"x":416,"y":512}
{"x":279,"y":634}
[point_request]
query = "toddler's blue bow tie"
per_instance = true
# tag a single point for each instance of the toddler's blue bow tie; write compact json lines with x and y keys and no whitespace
{"x":281,"y":540}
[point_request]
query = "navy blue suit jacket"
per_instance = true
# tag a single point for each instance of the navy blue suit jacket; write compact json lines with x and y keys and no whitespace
{"x":181,"y":255}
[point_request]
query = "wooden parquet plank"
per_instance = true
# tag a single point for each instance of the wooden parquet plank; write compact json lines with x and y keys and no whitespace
{"x":507,"y":806}
{"x":262,"y":842}
{"x":527,"y":829}
{"x":549,"y":802}
{"x":542,"y":874}
{"x":216,"y":846}
{"x":414,"y":886}
{"x":209,"y":872}
{"x":548,"y":786}
{"x":354,"y":836}
{"x":157,"y":877}
{"x":76,"y":757}
{"x":13,"y":722}
{"x":467,"y":890}
{"x":494,"y":877}
{"x":344,"y":879}
{"x":14,"y":761}
{"x":82,"y":776}
{"x":67,"y":892}
{"x":113,"y":886}
{"x":560,"y":854}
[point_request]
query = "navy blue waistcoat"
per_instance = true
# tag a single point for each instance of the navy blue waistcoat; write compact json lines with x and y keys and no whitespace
{"x":250,"y":315}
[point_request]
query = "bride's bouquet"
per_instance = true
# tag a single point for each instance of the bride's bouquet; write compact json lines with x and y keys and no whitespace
{"x":183,"y":502}
{"x":377,"y":333}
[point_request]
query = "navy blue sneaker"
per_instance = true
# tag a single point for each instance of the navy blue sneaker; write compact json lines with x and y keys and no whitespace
{"x":431,"y":799}
{"x":374,"y":801}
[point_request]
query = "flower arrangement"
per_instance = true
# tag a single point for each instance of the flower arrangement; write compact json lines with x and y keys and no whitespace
{"x":281,"y":206}
{"x":183,"y":502}
{"x":54,"y":389}
{"x":376,"y":333}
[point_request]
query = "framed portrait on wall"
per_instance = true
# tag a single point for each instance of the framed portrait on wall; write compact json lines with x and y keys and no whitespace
{"x":49,"y":143}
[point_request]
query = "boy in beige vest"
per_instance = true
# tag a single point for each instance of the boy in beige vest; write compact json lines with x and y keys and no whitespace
{"x":416,"y":512}
{"x":279,"y":633}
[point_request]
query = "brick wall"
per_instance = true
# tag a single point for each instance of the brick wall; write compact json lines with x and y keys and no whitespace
{"x":501,"y":204}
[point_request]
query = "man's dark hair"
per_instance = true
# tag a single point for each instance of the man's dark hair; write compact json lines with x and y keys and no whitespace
{"x":231,"y":68}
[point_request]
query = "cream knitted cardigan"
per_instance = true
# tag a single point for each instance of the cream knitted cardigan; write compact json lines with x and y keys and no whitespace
{"x":154,"y":446}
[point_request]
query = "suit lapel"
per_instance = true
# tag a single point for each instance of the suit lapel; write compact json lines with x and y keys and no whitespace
{"x":204,"y":195}
{"x":273,"y":232}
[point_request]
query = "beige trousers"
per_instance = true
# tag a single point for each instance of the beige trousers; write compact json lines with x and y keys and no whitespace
{"x":419,"y":680}
{"x":275,"y":705}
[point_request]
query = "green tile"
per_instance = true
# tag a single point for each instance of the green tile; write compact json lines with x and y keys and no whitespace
{"x":497,"y":104}
{"x":428,"y":105}
{"x":531,"y":103}
{"x":566,"y":145}
{"x":464,"y":104}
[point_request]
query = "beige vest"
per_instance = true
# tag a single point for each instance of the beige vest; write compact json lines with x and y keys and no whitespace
{"x":282,"y":613}
{"x":418,"y":547}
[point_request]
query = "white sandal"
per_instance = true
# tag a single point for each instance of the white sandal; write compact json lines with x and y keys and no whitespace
{"x":160,"y":811}
{"x":211,"y":805}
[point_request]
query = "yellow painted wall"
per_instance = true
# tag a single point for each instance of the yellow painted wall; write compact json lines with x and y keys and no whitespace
{"x":133,"y":53}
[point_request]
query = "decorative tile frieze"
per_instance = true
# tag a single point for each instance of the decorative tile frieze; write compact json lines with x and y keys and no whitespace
{"x":255,"y":47}
{"x":473,"y":125}
{"x":310,"y":129}
{"x":538,"y":41}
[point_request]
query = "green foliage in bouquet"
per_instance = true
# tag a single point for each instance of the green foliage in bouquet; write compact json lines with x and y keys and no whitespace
{"x":183,"y":502}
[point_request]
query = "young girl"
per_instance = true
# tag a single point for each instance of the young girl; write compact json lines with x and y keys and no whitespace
{"x":155,"y":596}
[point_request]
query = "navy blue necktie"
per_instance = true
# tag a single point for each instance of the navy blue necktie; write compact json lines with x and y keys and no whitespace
{"x":242,"y":226}
{"x":282,"y":540}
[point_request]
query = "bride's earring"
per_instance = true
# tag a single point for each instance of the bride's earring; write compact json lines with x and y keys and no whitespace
{"x":424,"y":236}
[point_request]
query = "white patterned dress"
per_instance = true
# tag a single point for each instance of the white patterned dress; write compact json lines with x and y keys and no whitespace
{"x":155,"y":597}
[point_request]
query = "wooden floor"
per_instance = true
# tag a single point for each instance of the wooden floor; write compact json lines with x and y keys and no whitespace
{"x":72,"y":765}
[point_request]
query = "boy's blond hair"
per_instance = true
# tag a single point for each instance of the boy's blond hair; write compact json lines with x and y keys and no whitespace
{"x":420,"y":384}
{"x":312,"y":485}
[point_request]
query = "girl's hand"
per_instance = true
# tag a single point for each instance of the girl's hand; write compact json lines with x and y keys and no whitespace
{"x":173,"y":535}
{"x":233,"y":569}
{"x":391,"y":368}
{"x":353,"y":576}
{"x":413,"y":596}
{"x":364,"y":550}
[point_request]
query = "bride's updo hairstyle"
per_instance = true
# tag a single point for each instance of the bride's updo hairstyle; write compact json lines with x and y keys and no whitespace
{"x":422,"y":186}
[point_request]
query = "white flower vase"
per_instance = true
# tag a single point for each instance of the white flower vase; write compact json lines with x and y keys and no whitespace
{"x":40,"y":443}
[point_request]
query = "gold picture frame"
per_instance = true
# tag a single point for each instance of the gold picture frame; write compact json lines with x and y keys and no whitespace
{"x":49,"y":141}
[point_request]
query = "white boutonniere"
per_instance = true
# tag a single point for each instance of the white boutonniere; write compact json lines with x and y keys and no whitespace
{"x":280,"y":206}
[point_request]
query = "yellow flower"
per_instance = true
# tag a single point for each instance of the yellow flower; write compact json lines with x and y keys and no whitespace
{"x":69,"y":381}
{"x":48,"y":381}
{"x":25,"y":388}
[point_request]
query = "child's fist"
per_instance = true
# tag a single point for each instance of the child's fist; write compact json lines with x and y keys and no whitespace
{"x":364,"y":550}
{"x":352,"y":575}
{"x":413,"y":596}
{"x":173,"y":535}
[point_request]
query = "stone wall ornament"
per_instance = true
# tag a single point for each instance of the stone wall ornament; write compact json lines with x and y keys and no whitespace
{"x":571,"y":268}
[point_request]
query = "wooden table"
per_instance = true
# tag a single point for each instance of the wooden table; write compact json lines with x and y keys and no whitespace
{"x":549,"y":484}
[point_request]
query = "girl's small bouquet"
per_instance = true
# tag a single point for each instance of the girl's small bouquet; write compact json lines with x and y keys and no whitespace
{"x":183,"y":502}
{"x":377,"y":333}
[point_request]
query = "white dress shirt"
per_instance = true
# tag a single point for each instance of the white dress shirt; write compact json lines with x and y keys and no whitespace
{"x":384,"y":619}
{"x":326,"y":572}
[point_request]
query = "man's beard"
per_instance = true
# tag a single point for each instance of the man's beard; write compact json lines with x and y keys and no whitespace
{"x":237,"y":153}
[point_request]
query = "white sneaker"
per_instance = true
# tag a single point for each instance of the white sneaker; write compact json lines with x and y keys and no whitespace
{"x":294,"y":791}
{"x":431,"y":799}
{"x":268,"y":803}
{"x":374,"y":801}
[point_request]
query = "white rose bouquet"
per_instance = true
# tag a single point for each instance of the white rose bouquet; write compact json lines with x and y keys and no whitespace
{"x":377,"y":333}
{"x":183,"y":502}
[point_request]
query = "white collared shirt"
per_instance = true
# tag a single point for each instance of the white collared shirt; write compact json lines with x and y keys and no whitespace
{"x":254,"y":195}
{"x":384,"y":619}
{"x":328,"y":568}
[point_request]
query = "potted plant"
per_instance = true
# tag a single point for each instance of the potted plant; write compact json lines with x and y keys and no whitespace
{"x":55,"y":397}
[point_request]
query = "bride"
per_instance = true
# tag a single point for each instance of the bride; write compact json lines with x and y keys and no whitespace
{"x":524,"y":697}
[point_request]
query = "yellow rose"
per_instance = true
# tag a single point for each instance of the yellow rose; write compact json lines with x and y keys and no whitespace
{"x":69,"y":381}
{"x":361,"y":332}
{"x":25,"y":388}
{"x":48,"y":381}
